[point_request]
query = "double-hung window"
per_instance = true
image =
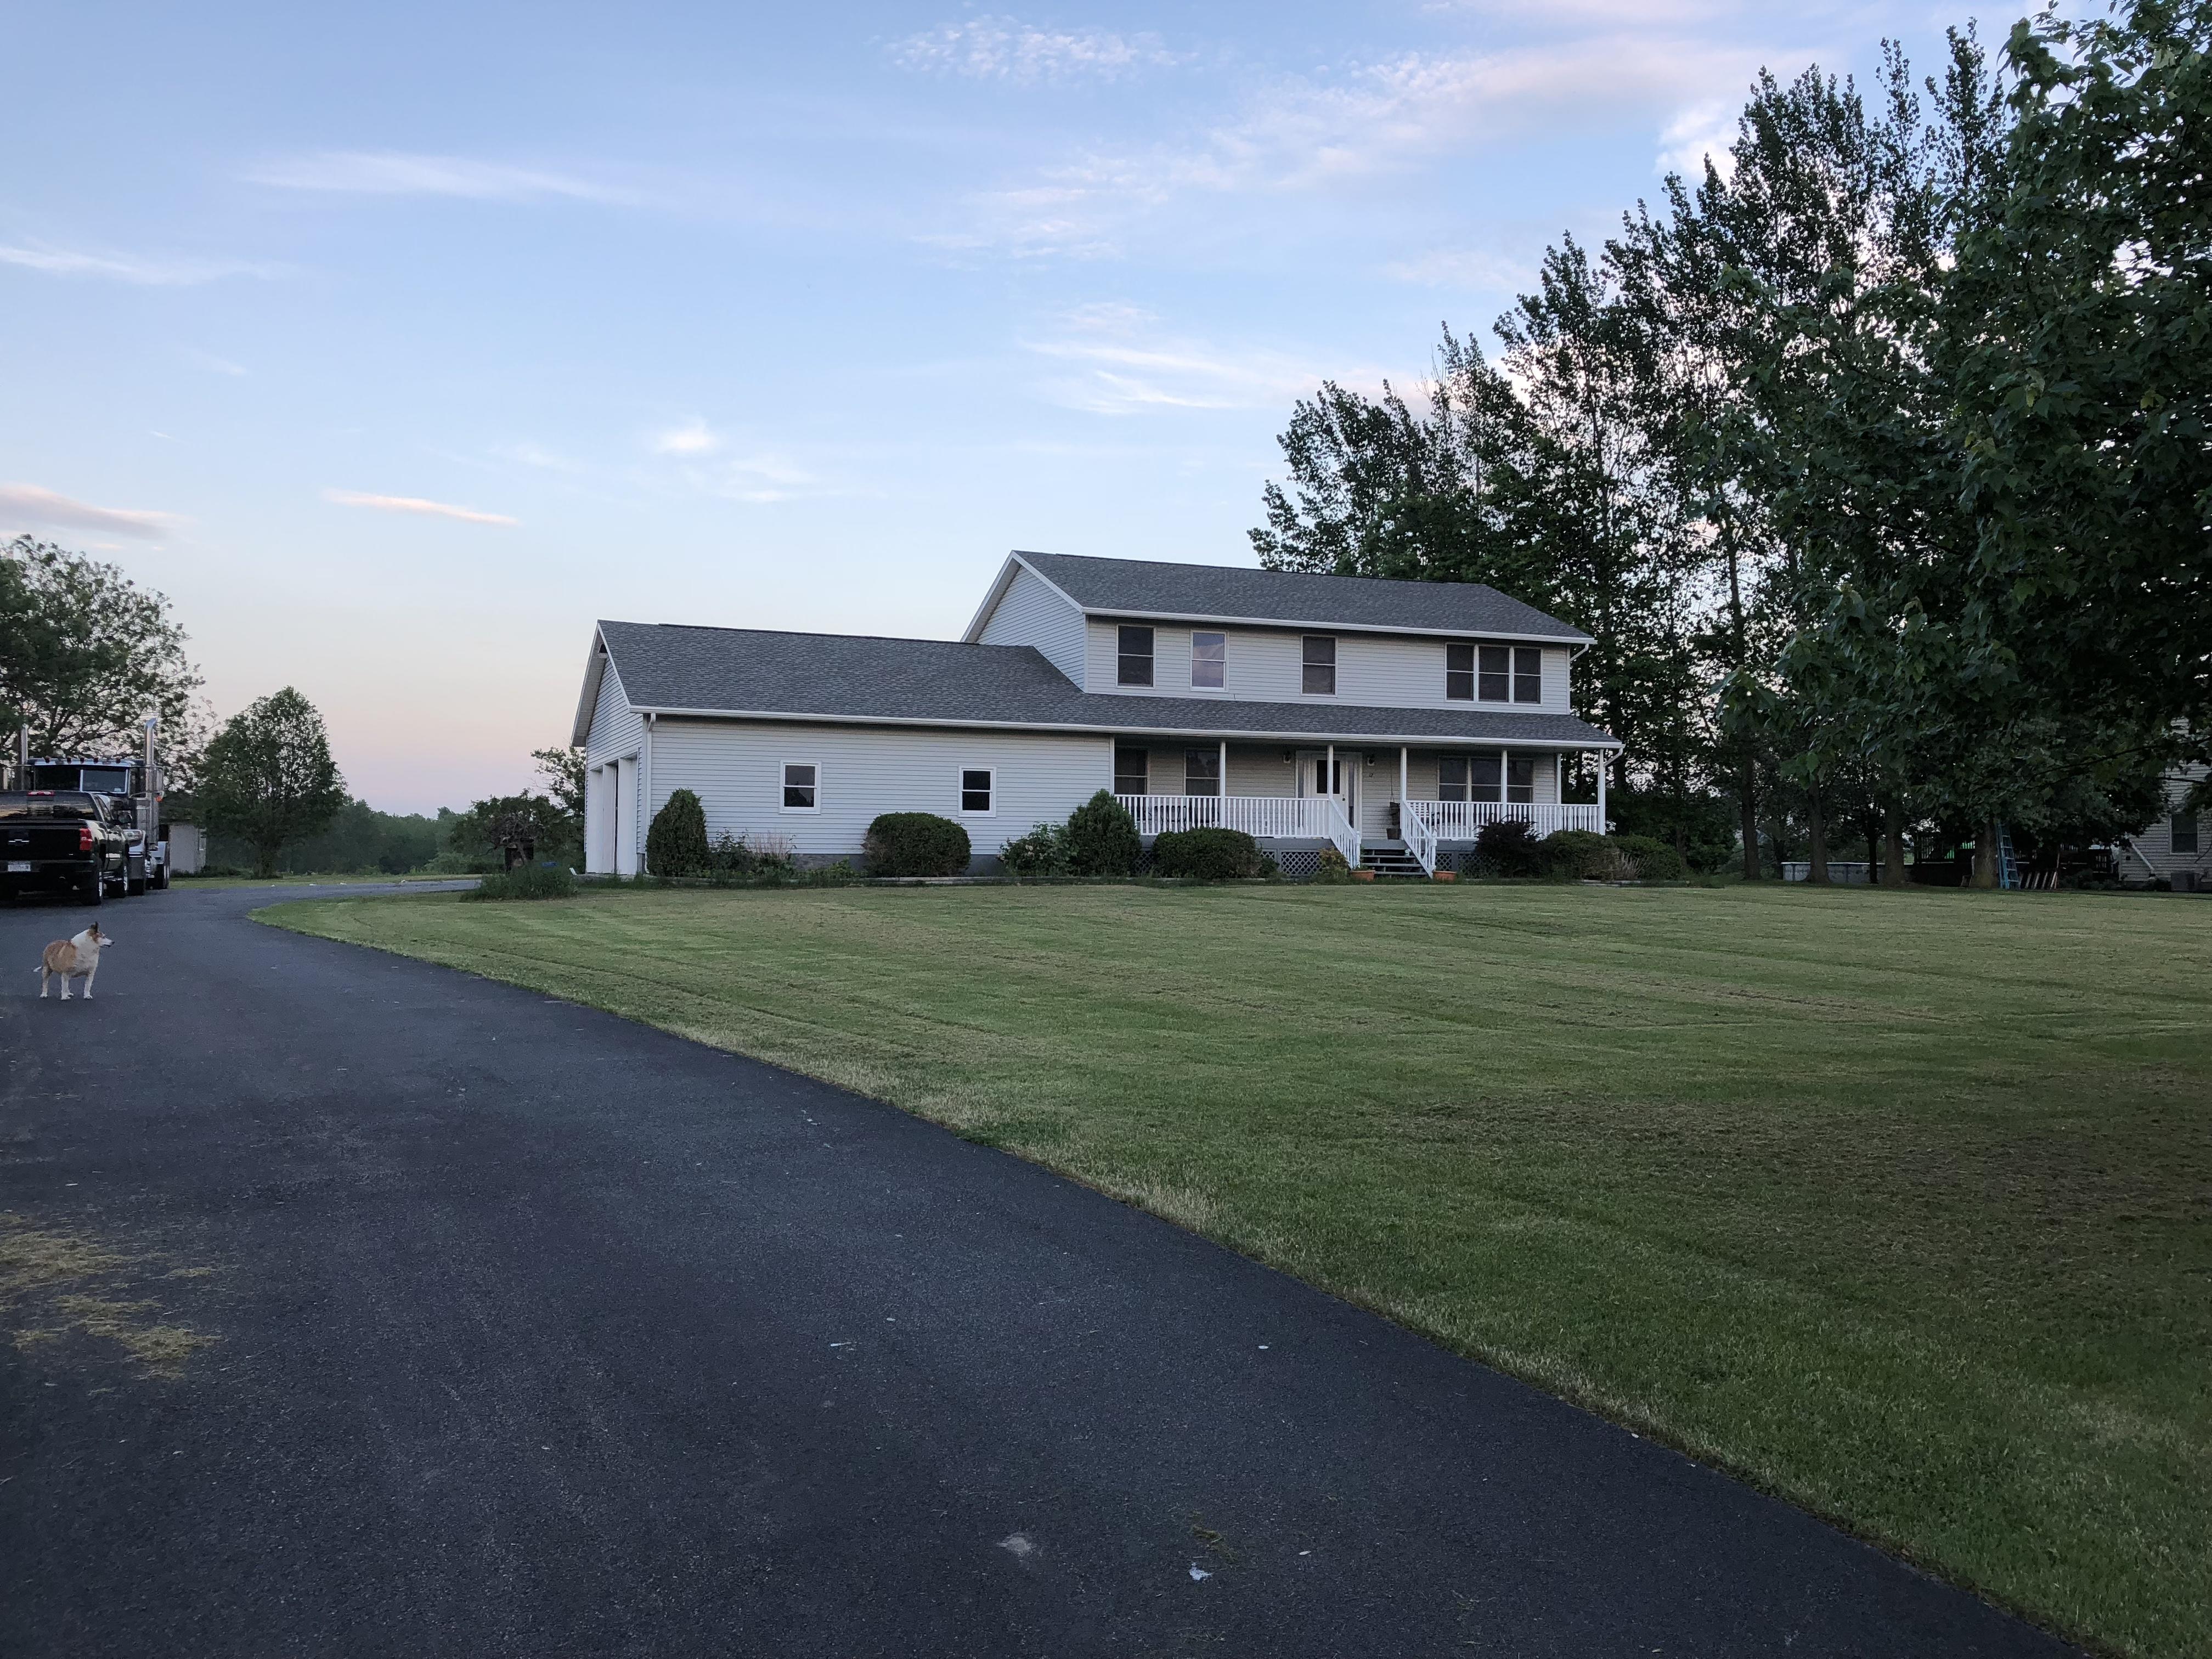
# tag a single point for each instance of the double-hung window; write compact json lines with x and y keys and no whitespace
{"x":1459,"y":680}
{"x":1484,"y":772}
{"x":1527,"y":674}
{"x":2183,"y":830}
{"x":1505,"y":673}
{"x":1133,"y":662}
{"x":1451,"y":777}
{"x":1520,"y":778}
{"x":801,"y":790}
{"x":1129,"y":770}
{"x":1201,"y":772}
{"x":1496,"y":679}
{"x":1320,"y":680}
{"x":1209,"y":661}
{"x":976,"y":788}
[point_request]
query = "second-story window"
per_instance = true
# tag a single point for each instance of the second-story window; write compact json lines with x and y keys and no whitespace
{"x":1320,"y":680}
{"x":1459,"y":680}
{"x":1209,"y":660}
{"x":1527,"y":674}
{"x":1135,"y":662}
{"x":1496,"y":676}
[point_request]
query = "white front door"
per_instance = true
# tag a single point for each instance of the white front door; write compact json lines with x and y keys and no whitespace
{"x":1313,"y":779}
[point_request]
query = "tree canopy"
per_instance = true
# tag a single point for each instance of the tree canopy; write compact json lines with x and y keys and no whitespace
{"x":1874,"y":459}
{"x":268,"y":777}
{"x":86,"y":654}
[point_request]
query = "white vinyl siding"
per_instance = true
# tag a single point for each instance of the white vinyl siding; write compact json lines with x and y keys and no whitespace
{"x":617,"y":733}
{"x":2153,"y":849}
{"x":1373,"y":670}
{"x":1030,"y":613}
{"x":736,"y":769}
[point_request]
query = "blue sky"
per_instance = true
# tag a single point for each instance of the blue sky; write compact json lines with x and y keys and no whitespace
{"x":397,"y":343}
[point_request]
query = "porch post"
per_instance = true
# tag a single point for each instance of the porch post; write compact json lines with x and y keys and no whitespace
{"x":1402,"y":780}
{"x":1328,"y":778}
{"x":1221,"y":793}
{"x":1601,"y":791}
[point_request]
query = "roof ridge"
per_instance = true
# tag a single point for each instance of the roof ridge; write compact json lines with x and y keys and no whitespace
{"x":813,"y":634}
{"x":1262,"y":570}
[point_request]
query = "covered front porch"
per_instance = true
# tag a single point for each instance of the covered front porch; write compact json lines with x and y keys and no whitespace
{"x":1414,"y":801}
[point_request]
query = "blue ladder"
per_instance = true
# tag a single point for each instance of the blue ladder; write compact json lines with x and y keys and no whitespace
{"x":2008,"y":865}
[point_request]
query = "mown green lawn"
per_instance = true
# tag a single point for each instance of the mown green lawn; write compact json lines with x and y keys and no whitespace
{"x":1900,"y":1205}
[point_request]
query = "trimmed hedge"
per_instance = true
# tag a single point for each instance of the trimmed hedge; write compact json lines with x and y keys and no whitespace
{"x":1102,"y":838}
{"x":916,"y":844}
{"x":1508,"y":847}
{"x":1207,"y":854}
{"x":1579,"y":855}
{"x":1655,"y":860}
{"x":1042,"y":852}
{"x":676,"y":845}
{"x":526,"y":881}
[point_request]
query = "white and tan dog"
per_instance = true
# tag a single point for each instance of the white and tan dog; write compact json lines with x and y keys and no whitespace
{"x":66,"y":958}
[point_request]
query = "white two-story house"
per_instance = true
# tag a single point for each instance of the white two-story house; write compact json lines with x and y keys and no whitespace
{"x":1389,"y":720}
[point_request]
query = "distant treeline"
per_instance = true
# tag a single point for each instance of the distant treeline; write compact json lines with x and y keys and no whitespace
{"x":360,"y":841}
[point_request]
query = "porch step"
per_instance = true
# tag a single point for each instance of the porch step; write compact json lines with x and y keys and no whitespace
{"x":1392,"y":864}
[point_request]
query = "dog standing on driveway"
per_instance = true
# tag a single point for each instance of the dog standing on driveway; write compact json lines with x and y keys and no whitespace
{"x":66,"y":958}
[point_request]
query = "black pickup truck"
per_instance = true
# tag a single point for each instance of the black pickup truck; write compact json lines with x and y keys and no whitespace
{"x":61,"y":840}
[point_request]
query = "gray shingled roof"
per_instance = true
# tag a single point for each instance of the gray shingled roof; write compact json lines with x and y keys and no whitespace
{"x":1145,"y":587}
{"x":671,"y":667}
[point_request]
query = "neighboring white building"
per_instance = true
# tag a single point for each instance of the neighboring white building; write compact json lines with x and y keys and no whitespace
{"x":1391,"y":720}
{"x":2176,"y":848}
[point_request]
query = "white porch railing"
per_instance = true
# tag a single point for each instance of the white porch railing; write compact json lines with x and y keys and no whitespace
{"x":1294,"y":817}
{"x":1413,"y":829}
{"x":1462,"y":820}
{"x":1341,"y":831}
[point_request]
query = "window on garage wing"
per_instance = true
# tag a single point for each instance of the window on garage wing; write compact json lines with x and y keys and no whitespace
{"x":2184,"y":829}
{"x":1135,"y":661}
{"x":800,"y":779}
{"x":975,"y":785}
{"x":1209,"y":661}
{"x":1459,"y":681}
{"x":1527,"y":674}
{"x":1320,"y":665}
{"x":1129,"y":771}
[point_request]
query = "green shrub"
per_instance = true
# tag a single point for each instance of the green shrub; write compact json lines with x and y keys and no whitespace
{"x":676,"y":845}
{"x":1207,"y":854}
{"x":526,"y":881}
{"x":1508,"y":847}
{"x":1042,"y":852}
{"x":1653,"y":859}
{"x":1581,"y":855}
{"x":1334,"y":868}
{"x":916,"y":844}
{"x":1102,"y":838}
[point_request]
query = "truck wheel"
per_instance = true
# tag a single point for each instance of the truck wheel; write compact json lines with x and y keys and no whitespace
{"x":162,"y":881}
{"x":94,"y":891}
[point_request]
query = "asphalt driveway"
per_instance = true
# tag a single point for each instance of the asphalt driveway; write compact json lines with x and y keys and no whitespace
{"x":365,"y":1307}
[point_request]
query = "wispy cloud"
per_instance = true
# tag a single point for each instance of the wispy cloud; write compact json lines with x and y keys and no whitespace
{"x":694,"y":437}
{"x":417,"y":504}
{"x":392,"y":173}
{"x":1465,"y":268}
{"x":1123,"y":363}
{"x":29,"y":504}
{"x":1007,"y":49}
{"x":1342,"y":131}
{"x":1703,"y":132}
{"x":212,"y":363}
{"x":151,"y":270}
